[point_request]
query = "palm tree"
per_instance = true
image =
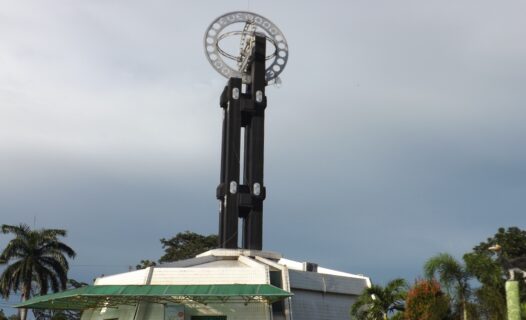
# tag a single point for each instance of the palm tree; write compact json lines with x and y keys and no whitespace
{"x":38,"y":262}
{"x":43,"y":314}
{"x":453,"y":276}
{"x":377,"y":302}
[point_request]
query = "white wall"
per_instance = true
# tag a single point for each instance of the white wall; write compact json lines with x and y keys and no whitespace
{"x":128,"y":278}
{"x":311,"y":305}
{"x":209,"y":276}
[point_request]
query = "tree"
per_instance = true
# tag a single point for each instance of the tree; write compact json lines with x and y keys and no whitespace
{"x":145,"y":264}
{"x":426,"y":301}
{"x":490,"y":295}
{"x":377,"y":302}
{"x":38,"y":262}
{"x":11,"y":317}
{"x":489,"y":268}
{"x":2,"y":315}
{"x":512,"y":241}
{"x":454,"y":277}
{"x":43,"y":314}
{"x":186,"y":245}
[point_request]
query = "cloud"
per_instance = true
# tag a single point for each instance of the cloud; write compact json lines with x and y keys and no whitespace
{"x":397,"y":133}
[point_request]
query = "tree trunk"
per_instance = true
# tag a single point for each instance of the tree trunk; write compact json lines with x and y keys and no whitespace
{"x":464,"y":310}
{"x":25,"y":296}
{"x":22,"y":313}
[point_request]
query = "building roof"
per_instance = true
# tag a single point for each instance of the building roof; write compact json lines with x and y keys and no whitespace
{"x":220,"y":275}
{"x":115,"y":295}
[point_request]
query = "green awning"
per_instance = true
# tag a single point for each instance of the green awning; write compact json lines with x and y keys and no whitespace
{"x":114,"y":295}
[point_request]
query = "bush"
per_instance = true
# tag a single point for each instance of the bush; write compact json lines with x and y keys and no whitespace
{"x":426,"y":301}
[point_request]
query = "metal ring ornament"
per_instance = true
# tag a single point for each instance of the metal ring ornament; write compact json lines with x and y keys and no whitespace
{"x":274,"y":35}
{"x":232,"y":57}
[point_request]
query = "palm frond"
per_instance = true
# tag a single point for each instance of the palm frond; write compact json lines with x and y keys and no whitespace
{"x":58,"y":269}
{"x":16,"y":248}
{"x":39,"y":260}
{"x":20,"y":231}
{"x":10,"y":279}
{"x":52,"y":233}
{"x":377,"y":302}
{"x":445,"y":267}
{"x":59,"y":247}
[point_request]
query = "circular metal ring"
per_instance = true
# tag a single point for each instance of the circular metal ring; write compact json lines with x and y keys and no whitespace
{"x":236,"y":58}
{"x":214,"y":53}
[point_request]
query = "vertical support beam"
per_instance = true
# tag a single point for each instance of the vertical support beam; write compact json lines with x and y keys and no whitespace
{"x":253,"y":225}
{"x":243,"y":201}
{"x":228,"y":189}
{"x":220,"y":189}
{"x":246,"y":176}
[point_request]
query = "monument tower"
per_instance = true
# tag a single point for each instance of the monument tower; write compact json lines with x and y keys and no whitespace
{"x":228,"y":283}
{"x":241,"y":194}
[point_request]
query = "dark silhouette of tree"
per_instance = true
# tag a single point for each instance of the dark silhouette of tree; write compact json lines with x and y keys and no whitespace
{"x":379,"y":302}
{"x":42,"y":314}
{"x":2,"y":315}
{"x":186,"y":245}
{"x":36,"y":262}
{"x":145,"y":264}
{"x":11,"y":317}
{"x":454,"y":277}
{"x":490,"y":268}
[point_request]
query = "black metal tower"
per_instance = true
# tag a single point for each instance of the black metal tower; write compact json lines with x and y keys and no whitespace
{"x":244,"y":107}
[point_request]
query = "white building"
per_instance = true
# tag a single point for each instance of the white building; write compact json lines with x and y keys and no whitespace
{"x":216,"y":285}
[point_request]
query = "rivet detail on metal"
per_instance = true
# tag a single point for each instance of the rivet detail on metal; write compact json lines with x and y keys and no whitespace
{"x":259,"y":96}
{"x":256,"y":189}
{"x":233,"y":187}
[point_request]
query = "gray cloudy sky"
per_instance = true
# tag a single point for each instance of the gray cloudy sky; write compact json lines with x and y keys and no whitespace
{"x":398,"y":132}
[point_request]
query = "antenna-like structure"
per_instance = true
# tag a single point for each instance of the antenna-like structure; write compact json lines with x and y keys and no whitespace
{"x":243,"y":102}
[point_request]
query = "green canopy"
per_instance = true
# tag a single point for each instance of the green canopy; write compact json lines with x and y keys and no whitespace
{"x":114,"y":295}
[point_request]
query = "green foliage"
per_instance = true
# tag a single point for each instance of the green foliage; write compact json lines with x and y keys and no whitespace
{"x":36,"y":255}
{"x":41,"y":314}
{"x":397,"y":316}
{"x":512,"y":241}
{"x":73,"y":284}
{"x":426,"y":301}
{"x":186,"y":245}
{"x":36,"y":260}
{"x":454,"y":277}
{"x":11,"y":317}
{"x":488,"y":268}
{"x":379,"y":302}
{"x":2,"y":315}
{"x":56,"y":315}
{"x":484,"y":268}
{"x":490,"y":295}
{"x":145,"y":264}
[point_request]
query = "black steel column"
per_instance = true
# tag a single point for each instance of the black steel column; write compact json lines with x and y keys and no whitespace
{"x":220,"y":189}
{"x":243,"y":200}
{"x":255,"y":132}
{"x":227,"y":191}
